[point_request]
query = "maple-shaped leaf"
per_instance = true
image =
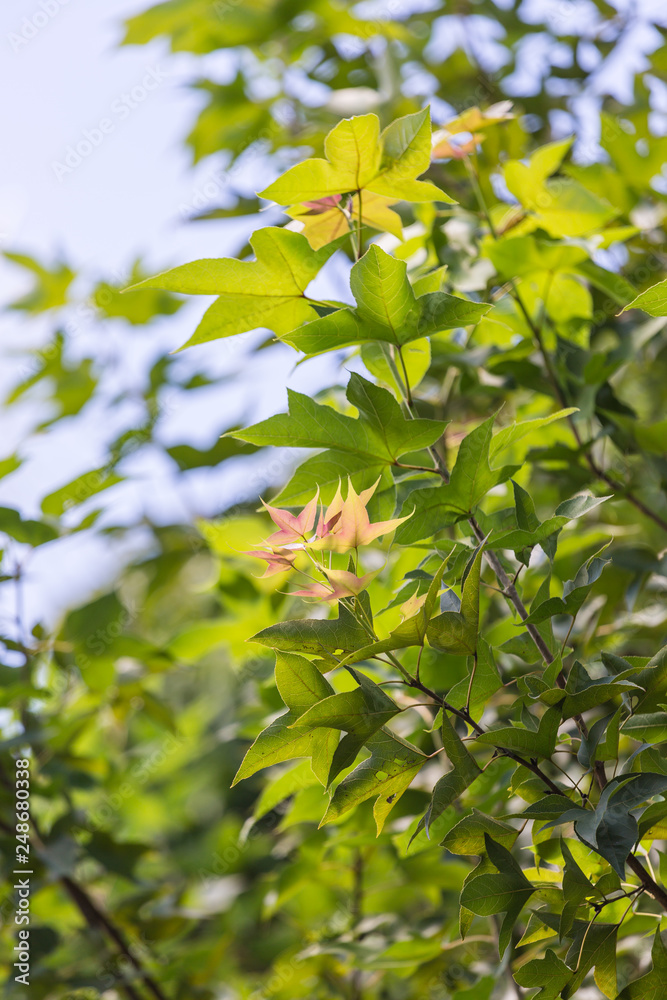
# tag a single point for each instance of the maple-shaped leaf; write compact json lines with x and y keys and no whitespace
{"x":456,"y":631}
{"x":291,"y":528}
{"x":447,"y":141}
{"x":562,"y":207}
{"x":550,"y":972}
{"x":342,"y":583}
{"x":300,"y":685}
{"x":359,"y":159}
{"x":50,"y":288}
{"x":652,"y":985}
{"x":472,"y":478}
{"x":278,"y":560}
{"x":328,"y":218}
{"x":384,"y":776}
{"x":361,"y":448}
{"x":388,"y":310}
{"x":351,"y":527}
{"x":269,"y":291}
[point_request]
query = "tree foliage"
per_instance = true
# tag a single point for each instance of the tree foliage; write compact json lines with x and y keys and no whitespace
{"x":399,"y":729}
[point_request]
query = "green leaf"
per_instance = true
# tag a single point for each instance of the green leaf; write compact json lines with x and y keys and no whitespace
{"x":653,"y":679}
{"x":406,"y":149}
{"x":365,"y":709}
{"x":78,"y":491}
{"x":380,"y":410}
{"x":594,"y":945}
{"x":518,"y":256}
{"x":314,"y":636}
{"x":94,"y":627}
{"x":614,"y":285}
{"x":297,"y":778}
{"x":361,"y":448}
{"x":652,"y":985}
{"x":506,"y":892}
{"x":649,"y":728}
{"x":525,"y":741}
{"x":576,"y":889}
{"x":299,"y":682}
{"x":486,"y":680}
{"x":563,"y":207}
{"x":387,"y":310}
{"x":453,"y":784}
{"x":575,"y":592}
{"x":9,"y":465}
{"x":329,"y":468}
{"x":117,"y":857}
{"x":267,"y":292}
{"x":468,"y":836}
{"x":653,"y":301}
{"x":383,"y":293}
{"x":359,"y":713}
{"x":584,"y":693}
{"x":550,"y":972}
{"x":457,"y":631}
{"x":530,"y":532}
{"x":509,"y":435}
{"x":384,"y":775}
{"x":471,"y":479}
{"x":408,"y":633}
{"x":138,"y":308}
{"x":359,"y":158}
{"x":281,"y":742}
{"x":300,"y":685}
{"x":50,"y":288}
{"x":489,"y":894}
{"x":26,"y":531}
{"x":482,"y":990}
{"x":547,"y":807}
{"x":411,"y":632}
{"x":543,"y":162}
{"x":408,"y":954}
{"x":187,"y":457}
{"x":611,"y":828}
{"x":526,"y":518}
{"x":593,"y":748}
{"x":381,"y":434}
{"x":378,"y":359}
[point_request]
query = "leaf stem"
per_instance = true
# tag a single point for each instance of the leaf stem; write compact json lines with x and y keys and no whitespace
{"x":408,"y":393}
{"x":359,"y":225}
{"x":470,"y":683}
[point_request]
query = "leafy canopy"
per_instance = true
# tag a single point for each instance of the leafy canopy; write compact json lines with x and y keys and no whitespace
{"x":455,"y":685}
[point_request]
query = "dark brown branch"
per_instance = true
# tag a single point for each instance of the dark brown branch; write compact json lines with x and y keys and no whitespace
{"x":92,"y":916}
{"x":95,"y":915}
{"x":464,"y":714}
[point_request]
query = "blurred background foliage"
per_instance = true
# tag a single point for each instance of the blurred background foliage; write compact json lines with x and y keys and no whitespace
{"x":152,"y":877}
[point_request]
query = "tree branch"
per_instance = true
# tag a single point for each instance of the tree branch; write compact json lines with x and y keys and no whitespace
{"x":93,"y":914}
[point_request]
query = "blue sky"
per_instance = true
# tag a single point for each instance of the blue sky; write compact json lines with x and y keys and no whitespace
{"x":128,"y":196}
